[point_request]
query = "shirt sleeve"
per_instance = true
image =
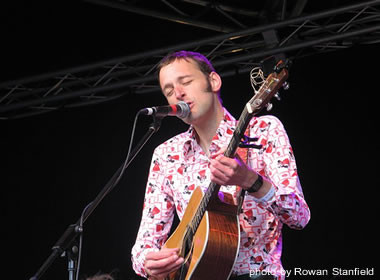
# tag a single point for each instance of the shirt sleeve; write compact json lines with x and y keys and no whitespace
{"x":278,"y":164}
{"x":157,"y":214}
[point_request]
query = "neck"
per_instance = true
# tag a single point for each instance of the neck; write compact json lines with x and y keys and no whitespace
{"x":207,"y":128}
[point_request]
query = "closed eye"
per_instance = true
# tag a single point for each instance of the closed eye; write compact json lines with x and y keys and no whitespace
{"x":169,"y":93}
{"x":168,"y":90}
{"x":185,"y":80}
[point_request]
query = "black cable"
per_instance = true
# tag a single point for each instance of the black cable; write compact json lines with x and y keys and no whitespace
{"x":126,"y":162}
{"x":113,"y":184}
{"x":80,"y":229}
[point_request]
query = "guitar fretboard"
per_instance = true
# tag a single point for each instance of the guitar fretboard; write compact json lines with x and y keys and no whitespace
{"x":261,"y":98}
{"x":213,"y":188}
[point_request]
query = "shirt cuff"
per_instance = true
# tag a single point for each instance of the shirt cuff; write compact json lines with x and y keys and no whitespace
{"x":267,"y":196}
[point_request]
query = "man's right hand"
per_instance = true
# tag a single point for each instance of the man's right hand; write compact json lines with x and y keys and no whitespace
{"x":159,"y":264}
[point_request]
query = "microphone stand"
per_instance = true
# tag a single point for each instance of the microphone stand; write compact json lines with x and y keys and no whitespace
{"x":66,"y":244}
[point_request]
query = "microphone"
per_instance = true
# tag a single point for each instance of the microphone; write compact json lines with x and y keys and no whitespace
{"x":180,"y":110}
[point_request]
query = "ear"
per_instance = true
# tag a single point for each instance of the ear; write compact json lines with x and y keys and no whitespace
{"x":215,"y":81}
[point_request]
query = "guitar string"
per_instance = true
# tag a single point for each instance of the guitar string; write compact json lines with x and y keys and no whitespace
{"x":231,"y":148}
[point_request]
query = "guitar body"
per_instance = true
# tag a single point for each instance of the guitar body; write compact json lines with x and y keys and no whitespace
{"x":215,"y":243}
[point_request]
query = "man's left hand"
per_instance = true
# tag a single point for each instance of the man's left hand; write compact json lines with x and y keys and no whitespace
{"x":231,"y":171}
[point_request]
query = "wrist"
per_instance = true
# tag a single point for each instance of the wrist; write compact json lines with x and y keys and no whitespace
{"x":256,"y":185}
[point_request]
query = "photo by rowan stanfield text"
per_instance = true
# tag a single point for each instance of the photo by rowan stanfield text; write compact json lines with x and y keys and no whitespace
{"x":336,"y":271}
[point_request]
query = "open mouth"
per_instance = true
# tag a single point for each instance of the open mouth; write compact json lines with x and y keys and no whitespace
{"x":190,"y":104}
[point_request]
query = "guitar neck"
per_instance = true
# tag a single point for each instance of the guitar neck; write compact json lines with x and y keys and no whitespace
{"x":213,"y":188}
{"x":256,"y":104}
{"x":243,"y":122}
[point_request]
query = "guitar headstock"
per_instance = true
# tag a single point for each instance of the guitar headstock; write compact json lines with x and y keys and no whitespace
{"x":269,"y":88}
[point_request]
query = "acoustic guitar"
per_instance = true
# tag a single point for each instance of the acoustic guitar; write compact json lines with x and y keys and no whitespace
{"x":209,"y":234}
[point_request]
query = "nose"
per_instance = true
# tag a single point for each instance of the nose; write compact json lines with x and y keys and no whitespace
{"x":179,"y":92}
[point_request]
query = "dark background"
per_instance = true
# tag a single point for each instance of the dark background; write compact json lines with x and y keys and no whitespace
{"x":54,"y":164}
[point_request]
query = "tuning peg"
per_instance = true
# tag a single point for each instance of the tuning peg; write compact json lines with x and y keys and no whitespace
{"x":285,"y":85}
{"x":269,"y":106}
{"x":277,"y":95}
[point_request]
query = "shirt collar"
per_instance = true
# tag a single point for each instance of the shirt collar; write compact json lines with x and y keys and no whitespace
{"x":221,"y":138}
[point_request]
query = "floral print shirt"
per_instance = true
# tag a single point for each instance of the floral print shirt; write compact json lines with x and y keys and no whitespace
{"x":179,"y":165}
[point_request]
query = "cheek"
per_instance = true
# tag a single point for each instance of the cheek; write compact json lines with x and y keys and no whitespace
{"x":171,"y":100}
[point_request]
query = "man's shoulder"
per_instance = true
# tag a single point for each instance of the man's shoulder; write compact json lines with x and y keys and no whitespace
{"x":265,"y":120}
{"x":174,"y":143}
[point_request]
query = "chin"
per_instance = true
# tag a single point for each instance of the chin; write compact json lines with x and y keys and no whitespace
{"x":186,"y":121}
{"x":190,"y":119}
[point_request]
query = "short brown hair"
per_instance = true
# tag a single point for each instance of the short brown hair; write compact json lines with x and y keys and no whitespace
{"x":203,"y":63}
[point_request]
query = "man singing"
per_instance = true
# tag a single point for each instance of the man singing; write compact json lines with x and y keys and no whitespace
{"x":194,"y":158}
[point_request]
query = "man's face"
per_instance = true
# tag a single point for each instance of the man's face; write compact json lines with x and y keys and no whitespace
{"x":183,"y":81}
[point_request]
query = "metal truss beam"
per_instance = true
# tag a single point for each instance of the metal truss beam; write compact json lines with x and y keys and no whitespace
{"x":223,"y":7}
{"x":160,"y":15}
{"x":231,"y":53}
{"x":190,"y":12}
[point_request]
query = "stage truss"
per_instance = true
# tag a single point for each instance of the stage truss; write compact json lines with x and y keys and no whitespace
{"x":292,"y":36}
